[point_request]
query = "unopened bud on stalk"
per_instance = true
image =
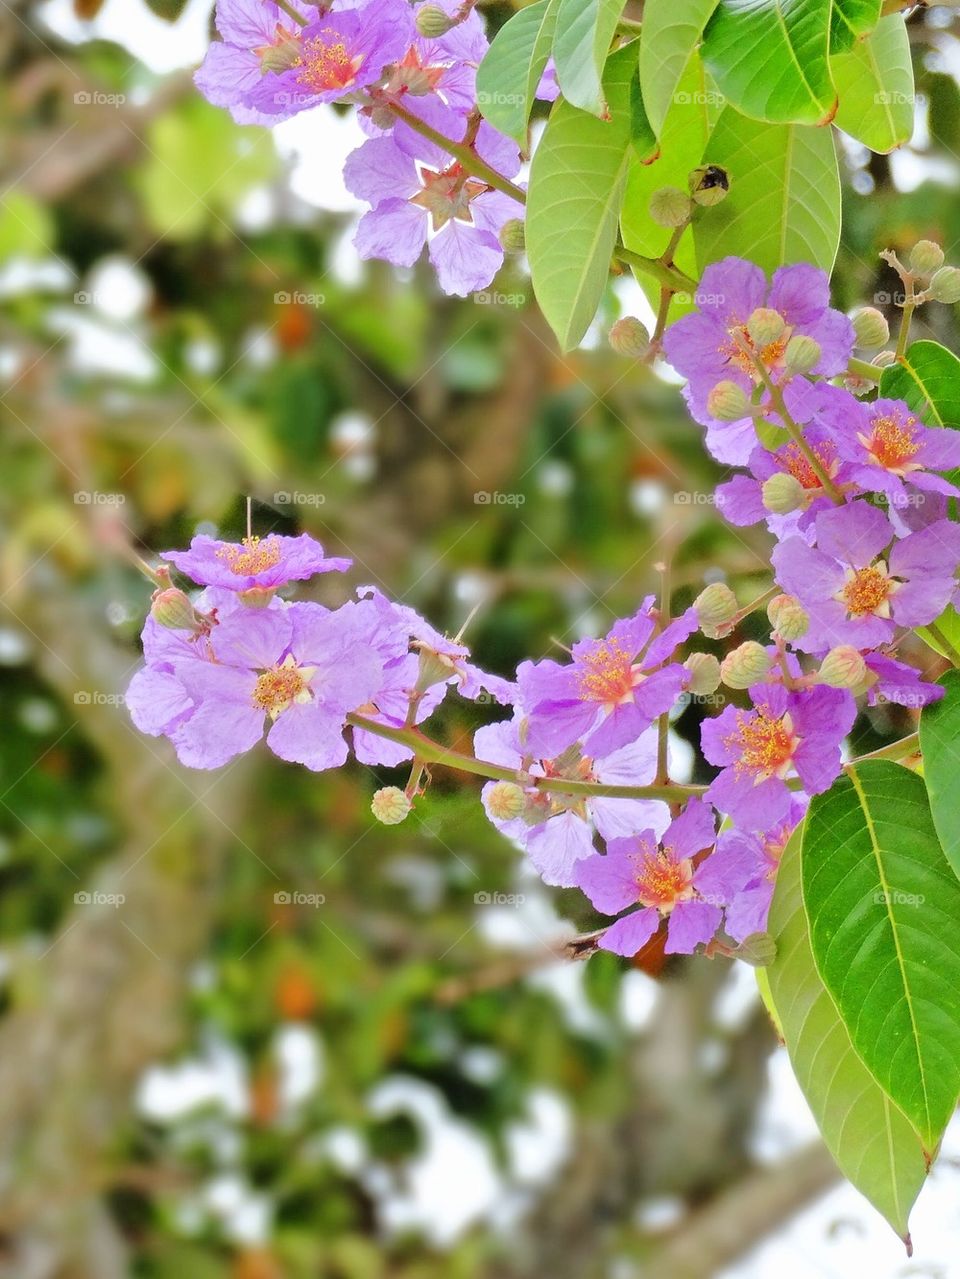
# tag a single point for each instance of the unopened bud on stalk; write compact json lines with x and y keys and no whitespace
{"x":788,"y":617}
{"x":709,"y":184}
{"x":802,"y":354}
{"x":390,"y":805}
{"x":945,"y":285}
{"x":513,"y":236}
{"x":506,"y":801}
{"x":746,"y":665}
{"x":925,"y":257}
{"x":728,"y":402}
{"x":670,"y":207}
{"x":704,"y":671}
{"x":870,"y":328}
{"x":883,"y":358}
{"x":431,"y":22}
{"x":782,"y":493}
{"x":716,"y":607}
{"x":843,"y":667}
{"x":172,"y":609}
{"x":765,"y":326}
{"x":629,"y":337}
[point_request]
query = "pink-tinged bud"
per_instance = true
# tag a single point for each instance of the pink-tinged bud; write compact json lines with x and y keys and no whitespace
{"x":783,"y":493}
{"x":802,"y":354}
{"x":759,"y":950}
{"x":870,"y":328}
{"x":390,"y":805}
{"x":704,"y":671}
{"x":432,"y":23}
{"x":945,"y":285}
{"x":506,"y":801}
{"x":788,"y":617}
{"x":670,"y":207}
{"x":171,"y":608}
{"x":630,"y":337}
{"x":748,"y":664}
{"x":513,"y":235}
{"x":925,"y":257}
{"x":843,"y":667}
{"x":765,"y":326}
{"x":716,"y":608}
{"x":728,"y":402}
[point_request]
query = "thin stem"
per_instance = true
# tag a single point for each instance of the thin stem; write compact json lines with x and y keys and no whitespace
{"x":862,"y":368}
{"x":663,"y":721}
{"x":627,"y":27}
{"x":909,"y":306}
{"x":291,"y":12}
{"x":950,"y":651}
{"x":668,"y":276}
{"x":760,"y":602}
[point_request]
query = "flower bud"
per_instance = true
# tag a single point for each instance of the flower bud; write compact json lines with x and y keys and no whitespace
{"x":709,"y":184}
{"x":925,"y":257}
{"x":172,"y":609}
{"x":629,"y":337}
{"x":704,"y":671}
{"x":513,"y":237}
{"x":728,"y":402}
{"x":843,"y":667}
{"x":759,"y":950}
{"x":783,"y":493}
{"x":280,"y":57}
{"x":788,"y":617}
{"x":870,"y":328}
{"x":390,"y":805}
{"x":257,"y":596}
{"x":945,"y":285}
{"x":746,"y":665}
{"x":716,"y":607}
{"x":506,"y":801}
{"x":883,"y":358}
{"x":765,"y":326}
{"x":802,"y":354}
{"x":670,"y":207}
{"x":431,"y":22}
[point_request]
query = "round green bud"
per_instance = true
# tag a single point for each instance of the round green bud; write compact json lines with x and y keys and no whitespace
{"x":670,"y":207}
{"x":629,"y":337}
{"x":783,"y":493}
{"x":759,"y":950}
{"x":506,"y":801}
{"x":883,"y":358}
{"x":945,"y":285}
{"x":728,"y":402}
{"x":788,"y":617}
{"x":802,"y":354}
{"x":431,"y":22}
{"x":513,"y":235}
{"x":925,"y":257}
{"x":843,"y":667}
{"x":870,"y":328}
{"x":765,"y":326}
{"x":716,"y":607}
{"x":172,"y":609}
{"x":746,"y":665}
{"x":390,"y":805}
{"x":704,"y":671}
{"x":709,"y":184}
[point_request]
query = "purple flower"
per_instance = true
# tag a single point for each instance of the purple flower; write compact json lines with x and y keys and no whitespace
{"x":261,"y":564}
{"x":894,"y":681}
{"x":756,"y":749}
{"x":662,"y":877}
{"x":612,"y":690}
{"x":253,"y":31}
{"x":555,"y":830}
{"x":445,"y":66}
{"x":420,"y":194}
{"x":335,"y":56}
{"x":853,"y":594}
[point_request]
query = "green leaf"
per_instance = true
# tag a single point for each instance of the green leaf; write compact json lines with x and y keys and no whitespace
{"x":850,"y":21}
{"x":928,"y":378}
{"x":946,"y":641}
{"x":584,"y":31}
{"x":508,"y":76}
{"x":875,"y":87}
{"x":884,"y":905}
{"x":940,"y":743}
{"x":769,"y":57}
{"x":784,"y":201}
{"x":169,"y":10}
{"x":874,"y":1145}
{"x":577,"y":179}
{"x":671,"y":33}
{"x":26,"y":226}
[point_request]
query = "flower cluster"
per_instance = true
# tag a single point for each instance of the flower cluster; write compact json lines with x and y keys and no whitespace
{"x":410,"y":72}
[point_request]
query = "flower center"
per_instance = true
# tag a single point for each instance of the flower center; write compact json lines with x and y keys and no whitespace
{"x":447,"y":194}
{"x":661,"y":881}
{"x":766,"y":745}
{"x":868,"y":590}
{"x":251,"y":556}
{"x":892,"y":443}
{"x":797,"y":464}
{"x":607,"y":675}
{"x":741,"y":350}
{"x":326,"y":64}
{"x":280,"y":686}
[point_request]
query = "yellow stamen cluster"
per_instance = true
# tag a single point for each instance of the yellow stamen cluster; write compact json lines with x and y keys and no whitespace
{"x":741,"y":350}
{"x":661,"y":881}
{"x":326,"y":64}
{"x":608,"y":675}
{"x":892,"y":443}
{"x":280,"y":686}
{"x":766,"y":745}
{"x":251,"y":556}
{"x":867,"y":590}
{"x":800,"y":467}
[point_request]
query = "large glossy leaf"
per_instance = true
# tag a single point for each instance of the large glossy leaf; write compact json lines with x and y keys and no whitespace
{"x":884,"y":907}
{"x":940,"y":743}
{"x":585,"y":29}
{"x":508,"y":76}
{"x":850,"y":21}
{"x":874,"y":1145}
{"x":770,"y":58}
{"x":784,"y":201}
{"x":577,"y":180}
{"x":671,"y":32}
{"x":928,"y":378}
{"x":875,"y":87}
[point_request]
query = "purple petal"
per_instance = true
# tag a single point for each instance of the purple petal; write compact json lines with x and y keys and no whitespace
{"x":691,"y":924}
{"x":629,"y":935}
